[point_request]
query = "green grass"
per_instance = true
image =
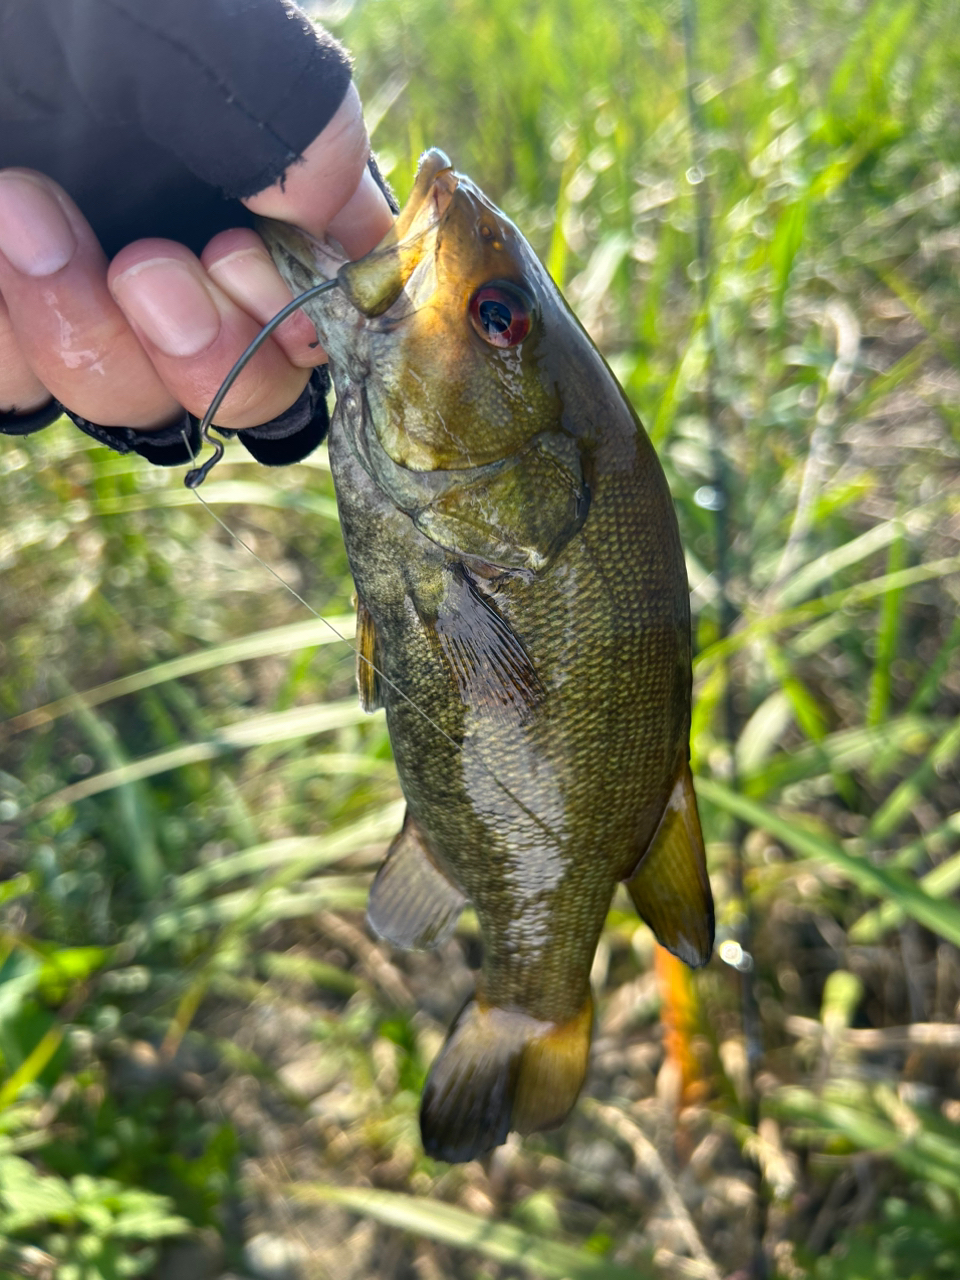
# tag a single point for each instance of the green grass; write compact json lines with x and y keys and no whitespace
{"x":191,"y":806}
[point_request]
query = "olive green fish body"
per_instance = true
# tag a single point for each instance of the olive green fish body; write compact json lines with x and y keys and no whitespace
{"x":524,"y":620}
{"x":538,"y":800}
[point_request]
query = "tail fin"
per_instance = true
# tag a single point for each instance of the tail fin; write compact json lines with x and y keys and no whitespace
{"x":499,"y":1070}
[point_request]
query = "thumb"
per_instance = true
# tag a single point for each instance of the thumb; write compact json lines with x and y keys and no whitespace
{"x":330,"y":189}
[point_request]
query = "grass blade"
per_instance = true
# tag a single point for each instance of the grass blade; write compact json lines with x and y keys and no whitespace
{"x":939,"y":882}
{"x":922,"y":1153}
{"x":259,"y":908}
{"x":843,"y":557}
{"x":288,"y":639}
{"x":234,"y":493}
{"x":941,"y":917}
{"x":312,"y":851}
{"x":900,"y":803}
{"x":888,"y":637}
{"x":499,"y":1241}
{"x":846,"y":598}
{"x":279,"y":726}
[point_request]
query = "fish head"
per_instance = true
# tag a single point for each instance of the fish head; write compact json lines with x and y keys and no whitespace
{"x":453,"y":328}
{"x":465,"y":386}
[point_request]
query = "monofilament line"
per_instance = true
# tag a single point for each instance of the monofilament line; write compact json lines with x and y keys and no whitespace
{"x":457,"y":746}
{"x":319,"y":616}
{"x":196,"y":477}
{"x":193,"y":479}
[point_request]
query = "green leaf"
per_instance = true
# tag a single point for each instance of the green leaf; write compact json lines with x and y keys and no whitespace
{"x":29,"y":1198}
{"x":278,"y":726}
{"x":448,"y":1225}
{"x":67,"y":966}
{"x":15,"y":887}
{"x":18,"y":980}
{"x":941,"y":917}
{"x":292,"y":638}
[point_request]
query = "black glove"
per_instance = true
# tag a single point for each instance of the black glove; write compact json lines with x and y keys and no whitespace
{"x":157,"y":118}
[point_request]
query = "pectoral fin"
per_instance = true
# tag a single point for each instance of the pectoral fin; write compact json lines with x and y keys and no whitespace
{"x":670,"y":888}
{"x":412,"y":903}
{"x":518,"y":517}
{"x":368,"y":661}
{"x":492,"y":670}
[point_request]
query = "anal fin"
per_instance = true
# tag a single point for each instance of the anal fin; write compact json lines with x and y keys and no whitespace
{"x":670,"y":888}
{"x":368,"y":661}
{"x":412,"y":903}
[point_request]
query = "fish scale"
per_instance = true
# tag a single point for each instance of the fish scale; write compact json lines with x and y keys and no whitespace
{"x":523,"y":599}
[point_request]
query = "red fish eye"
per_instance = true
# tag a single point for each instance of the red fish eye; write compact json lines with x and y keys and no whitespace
{"x":500,"y":314}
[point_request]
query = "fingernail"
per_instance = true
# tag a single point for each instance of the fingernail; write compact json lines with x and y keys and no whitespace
{"x":169,"y":305}
{"x":364,"y":220}
{"x":251,"y":279}
{"x":35,"y":236}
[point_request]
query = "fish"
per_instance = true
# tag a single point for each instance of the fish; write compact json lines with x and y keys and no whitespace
{"x":523,"y":617}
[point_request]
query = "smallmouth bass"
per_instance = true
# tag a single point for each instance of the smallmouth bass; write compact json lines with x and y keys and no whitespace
{"x":523,"y":616}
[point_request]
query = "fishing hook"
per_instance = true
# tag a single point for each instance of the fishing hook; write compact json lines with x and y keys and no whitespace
{"x":196,"y":476}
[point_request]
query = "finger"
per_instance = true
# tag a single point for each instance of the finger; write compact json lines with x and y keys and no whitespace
{"x":239,"y":263}
{"x":364,"y":220}
{"x":20,"y":390}
{"x":194,"y":333}
{"x":330,"y":189}
{"x":67,"y":328}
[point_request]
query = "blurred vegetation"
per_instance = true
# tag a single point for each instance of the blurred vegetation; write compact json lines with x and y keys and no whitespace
{"x":205,"y":1062}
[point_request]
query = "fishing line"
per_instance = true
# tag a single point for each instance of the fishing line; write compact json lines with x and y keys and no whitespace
{"x":309,"y":607}
{"x":195,"y":477}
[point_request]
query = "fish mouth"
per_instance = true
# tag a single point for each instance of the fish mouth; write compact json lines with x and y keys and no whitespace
{"x":374,"y":282}
{"x":429,"y":200}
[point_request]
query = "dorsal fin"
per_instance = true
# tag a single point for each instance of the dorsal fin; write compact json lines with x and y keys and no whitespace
{"x":670,"y":888}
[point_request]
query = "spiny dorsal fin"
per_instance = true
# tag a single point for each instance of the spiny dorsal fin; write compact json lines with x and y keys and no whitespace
{"x":487,"y":659}
{"x":670,"y":888}
{"x":368,"y":661}
{"x":412,"y":903}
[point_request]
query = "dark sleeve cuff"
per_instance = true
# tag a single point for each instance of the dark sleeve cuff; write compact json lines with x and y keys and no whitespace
{"x":170,"y":446}
{"x":294,"y":434}
{"x":165,"y":448}
{"x":285,"y":439}
{"x":25,"y":424}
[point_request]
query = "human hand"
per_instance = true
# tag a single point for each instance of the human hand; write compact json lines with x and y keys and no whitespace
{"x":133,"y":342}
